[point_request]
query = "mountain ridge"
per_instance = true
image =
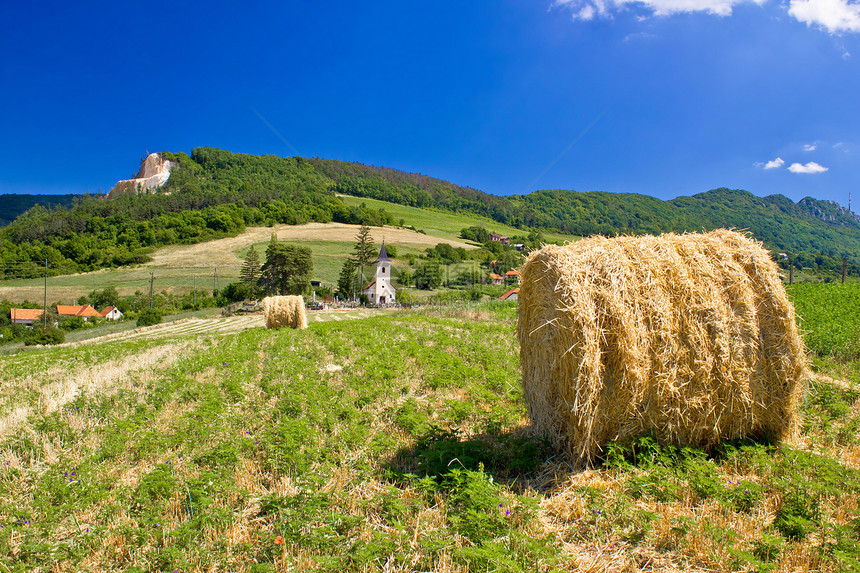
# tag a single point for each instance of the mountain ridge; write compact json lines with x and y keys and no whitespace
{"x":213,"y":193}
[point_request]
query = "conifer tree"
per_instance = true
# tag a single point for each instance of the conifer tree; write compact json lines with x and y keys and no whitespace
{"x":364,"y":251}
{"x":346,"y":281}
{"x":250,"y":273}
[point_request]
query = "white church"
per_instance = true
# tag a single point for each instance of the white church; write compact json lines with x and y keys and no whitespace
{"x":380,"y":290}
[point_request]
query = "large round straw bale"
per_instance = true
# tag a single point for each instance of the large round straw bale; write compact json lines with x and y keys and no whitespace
{"x":283,"y":311}
{"x":689,"y":337}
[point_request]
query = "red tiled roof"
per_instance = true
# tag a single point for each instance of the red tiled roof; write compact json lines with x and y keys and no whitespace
{"x":509,"y":293}
{"x":512,"y":274}
{"x":73,"y":310}
{"x":107,"y":310}
{"x":370,"y":285}
{"x":495,"y":277}
{"x":25,"y":313}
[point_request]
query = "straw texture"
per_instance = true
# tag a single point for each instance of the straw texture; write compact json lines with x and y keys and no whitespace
{"x":691,"y":337}
{"x":283,"y":311}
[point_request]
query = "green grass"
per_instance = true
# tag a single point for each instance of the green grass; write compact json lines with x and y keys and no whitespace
{"x":397,"y":439}
{"x":444,"y":224}
{"x":829,"y":315}
{"x":329,"y":256}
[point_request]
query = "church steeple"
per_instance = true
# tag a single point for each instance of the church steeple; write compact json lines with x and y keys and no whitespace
{"x":383,"y":254}
{"x":383,"y":291}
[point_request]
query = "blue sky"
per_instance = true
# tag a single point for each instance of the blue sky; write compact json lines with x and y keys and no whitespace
{"x":660,"y":97}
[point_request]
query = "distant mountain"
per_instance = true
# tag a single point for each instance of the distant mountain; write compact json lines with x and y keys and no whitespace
{"x":810,"y":225}
{"x":214,"y":193}
{"x":13,"y":205}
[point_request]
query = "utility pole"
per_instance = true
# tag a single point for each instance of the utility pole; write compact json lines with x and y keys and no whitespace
{"x":215,"y":282}
{"x":151,"y":280}
{"x":194,"y":286}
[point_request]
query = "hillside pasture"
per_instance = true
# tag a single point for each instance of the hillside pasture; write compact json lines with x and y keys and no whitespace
{"x":392,"y":441}
{"x":179,"y":268}
{"x":444,"y":224}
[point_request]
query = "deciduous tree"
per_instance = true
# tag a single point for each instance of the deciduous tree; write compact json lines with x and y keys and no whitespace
{"x":287,"y":269}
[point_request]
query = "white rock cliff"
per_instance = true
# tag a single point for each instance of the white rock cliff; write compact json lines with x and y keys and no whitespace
{"x":154,"y":172}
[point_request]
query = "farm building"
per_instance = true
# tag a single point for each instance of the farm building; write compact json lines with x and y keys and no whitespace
{"x":25,"y":315}
{"x":111,"y":313}
{"x":380,"y":290}
{"x":496,"y":279}
{"x":512,"y":276}
{"x":84,"y":311}
{"x":512,"y":294}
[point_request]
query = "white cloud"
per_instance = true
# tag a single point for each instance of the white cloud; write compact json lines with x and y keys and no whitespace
{"x":810,"y":147}
{"x":639,"y":36}
{"x":772,"y":164}
{"x":811,"y":167}
{"x":588,"y":9}
{"x":835,"y":16}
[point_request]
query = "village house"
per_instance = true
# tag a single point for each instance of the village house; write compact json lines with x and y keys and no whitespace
{"x":496,"y":279}
{"x":380,"y":290}
{"x":111,"y":313}
{"x":512,"y":276}
{"x":85,"y":311}
{"x":25,"y":316}
{"x":512,"y":294}
{"x":499,"y":238}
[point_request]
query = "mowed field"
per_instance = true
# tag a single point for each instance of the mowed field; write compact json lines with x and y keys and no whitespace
{"x":180,"y":268}
{"x":389,"y":441}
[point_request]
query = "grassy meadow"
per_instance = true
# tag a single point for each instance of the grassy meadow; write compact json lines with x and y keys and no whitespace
{"x":396,"y":441}
{"x":444,"y":224}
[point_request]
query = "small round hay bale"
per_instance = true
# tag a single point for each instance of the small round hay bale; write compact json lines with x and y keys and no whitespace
{"x":690,"y":337}
{"x":283,"y":311}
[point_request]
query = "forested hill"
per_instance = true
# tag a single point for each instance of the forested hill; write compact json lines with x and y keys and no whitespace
{"x":215,"y":193}
{"x":13,"y":205}
{"x":810,"y":225}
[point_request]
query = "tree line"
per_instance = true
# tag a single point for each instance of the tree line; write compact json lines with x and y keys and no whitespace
{"x":214,"y":193}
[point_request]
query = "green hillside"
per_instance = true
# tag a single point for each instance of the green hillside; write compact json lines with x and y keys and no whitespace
{"x":215,"y":193}
{"x":12,"y":205}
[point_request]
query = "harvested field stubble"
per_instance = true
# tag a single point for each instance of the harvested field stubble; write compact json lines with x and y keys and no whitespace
{"x":690,"y":337}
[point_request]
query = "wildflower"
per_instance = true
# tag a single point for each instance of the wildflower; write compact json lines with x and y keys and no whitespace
{"x":279,"y":540}
{"x":507,"y":512}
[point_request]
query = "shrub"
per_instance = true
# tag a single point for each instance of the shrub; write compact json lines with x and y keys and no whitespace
{"x":70,"y":323}
{"x":149,"y":317}
{"x":41,"y":335}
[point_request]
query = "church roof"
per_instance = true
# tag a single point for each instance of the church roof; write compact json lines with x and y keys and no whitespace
{"x":383,"y":255}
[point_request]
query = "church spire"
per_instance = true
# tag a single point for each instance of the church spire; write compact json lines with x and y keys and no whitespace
{"x":383,"y":255}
